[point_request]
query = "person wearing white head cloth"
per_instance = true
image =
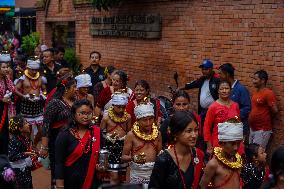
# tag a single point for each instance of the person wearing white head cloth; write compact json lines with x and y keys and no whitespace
{"x":142,"y":145}
{"x":83,"y":84}
{"x":116,"y":123}
{"x":33,"y":86}
{"x":223,"y":170}
{"x":5,"y":58}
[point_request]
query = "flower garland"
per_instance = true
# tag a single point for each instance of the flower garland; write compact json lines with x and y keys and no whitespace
{"x":31,"y":77}
{"x":231,"y":164}
{"x":147,"y":137}
{"x":116,"y":119}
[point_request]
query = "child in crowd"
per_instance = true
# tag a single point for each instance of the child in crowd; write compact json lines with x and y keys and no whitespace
{"x":116,"y":123}
{"x":255,"y":171}
{"x":276,"y":179}
{"x":20,"y":153}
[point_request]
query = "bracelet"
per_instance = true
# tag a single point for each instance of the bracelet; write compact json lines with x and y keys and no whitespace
{"x":43,"y":147}
{"x":59,"y":186}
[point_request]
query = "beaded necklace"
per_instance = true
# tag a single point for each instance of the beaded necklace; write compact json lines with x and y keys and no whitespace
{"x":86,"y":148}
{"x":179,"y":170}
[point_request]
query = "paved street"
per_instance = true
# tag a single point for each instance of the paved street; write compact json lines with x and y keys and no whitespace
{"x":41,"y":179}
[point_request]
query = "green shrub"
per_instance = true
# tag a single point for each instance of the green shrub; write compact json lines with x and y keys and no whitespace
{"x":30,"y":42}
{"x":72,"y":59}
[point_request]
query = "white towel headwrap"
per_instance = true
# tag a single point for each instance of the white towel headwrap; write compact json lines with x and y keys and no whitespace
{"x":230,"y":131}
{"x":144,"y":110}
{"x":5,"y":58}
{"x":119,"y":99}
{"x":83,"y":80}
{"x":33,"y":64}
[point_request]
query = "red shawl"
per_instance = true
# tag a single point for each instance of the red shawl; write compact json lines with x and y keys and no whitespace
{"x":79,"y":151}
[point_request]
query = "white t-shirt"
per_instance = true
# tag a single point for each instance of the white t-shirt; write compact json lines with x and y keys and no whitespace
{"x":206,"y":98}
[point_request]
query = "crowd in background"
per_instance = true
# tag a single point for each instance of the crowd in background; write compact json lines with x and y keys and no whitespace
{"x":91,"y":129}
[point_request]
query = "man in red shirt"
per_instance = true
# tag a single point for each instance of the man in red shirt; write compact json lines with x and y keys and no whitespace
{"x":263,"y":108}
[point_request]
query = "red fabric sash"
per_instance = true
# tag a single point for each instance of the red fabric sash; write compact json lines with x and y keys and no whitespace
{"x":78,"y":152}
{"x":198,"y":168}
{"x":59,"y":124}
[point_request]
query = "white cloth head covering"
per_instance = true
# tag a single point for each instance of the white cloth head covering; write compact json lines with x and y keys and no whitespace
{"x":83,"y":80}
{"x":119,"y":99}
{"x":230,"y":131}
{"x":144,"y":110}
{"x":5,"y":58}
{"x":33,"y":64}
{"x":43,"y":48}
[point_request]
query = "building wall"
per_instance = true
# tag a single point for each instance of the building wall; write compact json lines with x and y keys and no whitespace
{"x":249,"y":34}
{"x":25,"y":3}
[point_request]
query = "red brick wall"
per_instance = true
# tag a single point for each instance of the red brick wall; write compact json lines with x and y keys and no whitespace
{"x":248,"y":34}
{"x":25,"y":3}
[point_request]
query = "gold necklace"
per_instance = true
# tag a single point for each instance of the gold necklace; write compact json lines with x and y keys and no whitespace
{"x":231,"y":164}
{"x":31,"y":77}
{"x":116,"y":119}
{"x":147,"y":137}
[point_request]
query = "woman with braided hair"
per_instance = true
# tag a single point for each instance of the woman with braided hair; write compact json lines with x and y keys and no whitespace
{"x":56,"y":116}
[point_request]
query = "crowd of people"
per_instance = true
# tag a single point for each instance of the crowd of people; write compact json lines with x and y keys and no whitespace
{"x":92,"y":130}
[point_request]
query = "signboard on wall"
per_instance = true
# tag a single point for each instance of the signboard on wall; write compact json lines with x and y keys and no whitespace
{"x":131,"y":26}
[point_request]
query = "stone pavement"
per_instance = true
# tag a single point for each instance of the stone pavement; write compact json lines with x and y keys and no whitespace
{"x":41,"y":178}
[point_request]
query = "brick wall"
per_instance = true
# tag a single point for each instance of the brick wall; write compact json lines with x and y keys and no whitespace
{"x":249,"y":34}
{"x":25,"y":3}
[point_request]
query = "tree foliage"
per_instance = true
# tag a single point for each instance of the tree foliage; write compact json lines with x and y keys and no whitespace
{"x":105,"y":4}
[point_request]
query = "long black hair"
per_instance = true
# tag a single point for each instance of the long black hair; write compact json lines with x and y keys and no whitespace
{"x":180,"y":93}
{"x":63,"y":85}
{"x":251,"y":151}
{"x":179,"y":121}
{"x":144,"y":84}
{"x":77,"y":104}
{"x":123,"y":77}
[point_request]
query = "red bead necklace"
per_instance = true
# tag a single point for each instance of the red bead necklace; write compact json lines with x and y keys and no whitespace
{"x":34,"y":84}
{"x":87,"y":148}
{"x":182,"y":178}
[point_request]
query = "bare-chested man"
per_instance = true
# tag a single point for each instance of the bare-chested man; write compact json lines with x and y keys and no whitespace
{"x":116,"y":123}
{"x":223,"y":170}
{"x":83,"y":84}
{"x":32,"y":86}
{"x":142,"y":145}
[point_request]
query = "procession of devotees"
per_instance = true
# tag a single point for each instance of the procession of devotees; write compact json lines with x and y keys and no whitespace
{"x":92,"y":131}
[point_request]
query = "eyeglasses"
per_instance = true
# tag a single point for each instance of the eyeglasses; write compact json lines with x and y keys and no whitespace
{"x":89,"y":114}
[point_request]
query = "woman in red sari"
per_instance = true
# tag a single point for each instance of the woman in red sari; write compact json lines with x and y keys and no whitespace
{"x":77,"y":150}
{"x":218,"y":112}
{"x":119,"y":84}
{"x":142,"y":94}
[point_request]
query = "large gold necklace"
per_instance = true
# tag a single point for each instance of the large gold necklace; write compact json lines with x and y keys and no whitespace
{"x":231,"y":164}
{"x":116,"y":119}
{"x":147,"y":137}
{"x":31,"y":77}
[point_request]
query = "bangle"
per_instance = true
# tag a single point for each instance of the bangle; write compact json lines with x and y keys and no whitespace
{"x":59,"y":186}
{"x":43,"y":147}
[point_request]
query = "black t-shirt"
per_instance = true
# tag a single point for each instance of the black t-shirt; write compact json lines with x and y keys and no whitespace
{"x":95,"y":76}
{"x":51,"y":76}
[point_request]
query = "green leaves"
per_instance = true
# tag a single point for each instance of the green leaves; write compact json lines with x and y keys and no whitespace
{"x":30,"y":42}
{"x":105,"y":4}
{"x":72,"y":59}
